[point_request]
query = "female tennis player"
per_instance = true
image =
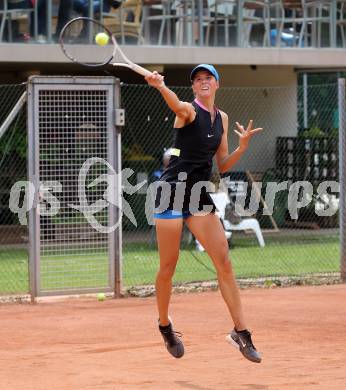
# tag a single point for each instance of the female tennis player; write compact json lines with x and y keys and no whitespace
{"x":200,"y":133}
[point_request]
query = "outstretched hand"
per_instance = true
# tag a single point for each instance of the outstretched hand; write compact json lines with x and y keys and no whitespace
{"x":245,"y":135}
{"x":155,"y":80}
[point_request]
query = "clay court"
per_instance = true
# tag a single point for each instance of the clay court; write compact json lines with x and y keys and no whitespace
{"x":87,"y":344}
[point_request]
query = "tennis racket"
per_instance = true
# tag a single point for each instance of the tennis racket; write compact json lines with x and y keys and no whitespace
{"x":81,"y":31}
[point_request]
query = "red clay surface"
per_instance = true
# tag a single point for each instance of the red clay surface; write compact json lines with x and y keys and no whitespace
{"x":86,"y":344}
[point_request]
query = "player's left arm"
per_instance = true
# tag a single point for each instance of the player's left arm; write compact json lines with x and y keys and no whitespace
{"x":224,"y":159}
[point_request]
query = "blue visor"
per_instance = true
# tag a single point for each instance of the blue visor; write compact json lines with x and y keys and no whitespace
{"x":208,"y":68}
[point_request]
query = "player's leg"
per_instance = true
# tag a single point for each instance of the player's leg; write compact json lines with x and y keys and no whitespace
{"x":168,"y":233}
{"x":209,"y":231}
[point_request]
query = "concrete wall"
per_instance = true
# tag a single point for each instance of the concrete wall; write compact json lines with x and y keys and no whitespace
{"x":274,"y":109}
{"x":269,"y":97}
{"x":28,"y":53}
{"x":257,"y":76}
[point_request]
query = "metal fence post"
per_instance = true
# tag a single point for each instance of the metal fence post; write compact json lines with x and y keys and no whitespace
{"x":342,"y":173}
{"x":305,"y":99}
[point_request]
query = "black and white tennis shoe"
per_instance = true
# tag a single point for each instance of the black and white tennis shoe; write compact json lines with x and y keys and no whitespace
{"x":242,"y":340}
{"x":172,"y":340}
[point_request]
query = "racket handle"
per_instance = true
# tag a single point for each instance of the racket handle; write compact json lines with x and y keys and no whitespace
{"x":142,"y":71}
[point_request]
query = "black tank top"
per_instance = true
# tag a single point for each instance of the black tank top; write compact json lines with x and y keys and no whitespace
{"x":194,"y":147}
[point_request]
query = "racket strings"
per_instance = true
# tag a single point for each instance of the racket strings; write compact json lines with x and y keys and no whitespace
{"x":80,"y":41}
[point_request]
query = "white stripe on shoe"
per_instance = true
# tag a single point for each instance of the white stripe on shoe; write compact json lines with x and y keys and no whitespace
{"x":231,"y":341}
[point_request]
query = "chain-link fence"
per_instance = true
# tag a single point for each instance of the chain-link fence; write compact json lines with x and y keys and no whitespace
{"x":13,"y":168}
{"x":303,"y":243}
{"x":299,"y":225}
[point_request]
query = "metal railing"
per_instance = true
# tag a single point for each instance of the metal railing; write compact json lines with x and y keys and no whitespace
{"x":237,"y":23}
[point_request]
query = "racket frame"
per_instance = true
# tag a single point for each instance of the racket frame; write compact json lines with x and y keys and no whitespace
{"x":116,"y":49}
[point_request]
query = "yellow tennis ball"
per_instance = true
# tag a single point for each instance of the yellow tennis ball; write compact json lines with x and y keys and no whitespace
{"x":101,"y":297}
{"x":102,"y":39}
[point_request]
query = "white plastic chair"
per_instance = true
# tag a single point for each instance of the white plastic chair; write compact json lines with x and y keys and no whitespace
{"x":221,"y":200}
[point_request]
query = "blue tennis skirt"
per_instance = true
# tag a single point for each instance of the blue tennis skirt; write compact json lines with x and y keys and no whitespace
{"x":172,"y":214}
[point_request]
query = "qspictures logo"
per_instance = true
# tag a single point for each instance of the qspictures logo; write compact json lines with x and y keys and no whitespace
{"x":24,"y":196}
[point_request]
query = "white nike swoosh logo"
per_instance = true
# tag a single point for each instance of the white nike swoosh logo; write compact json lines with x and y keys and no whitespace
{"x":210,"y":135}
{"x":241,"y":342}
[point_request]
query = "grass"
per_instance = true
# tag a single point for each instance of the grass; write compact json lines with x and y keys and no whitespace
{"x":277,"y":258}
{"x":13,"y":271}
{"x":282,"y":256}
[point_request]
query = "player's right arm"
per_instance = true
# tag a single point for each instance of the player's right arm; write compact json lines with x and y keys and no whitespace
{"x":183,"y":110}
